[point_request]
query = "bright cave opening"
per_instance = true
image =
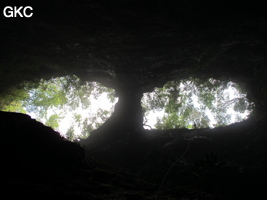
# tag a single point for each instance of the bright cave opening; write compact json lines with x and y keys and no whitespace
{"x":195,"y":103}
{"x":68,"y":105}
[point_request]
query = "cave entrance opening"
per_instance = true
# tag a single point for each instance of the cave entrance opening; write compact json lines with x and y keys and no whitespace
{"x":195,"y":103}
{"x":70,"y":106}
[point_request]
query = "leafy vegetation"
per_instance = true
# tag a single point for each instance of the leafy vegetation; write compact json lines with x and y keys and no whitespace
{"x":51,"y":100}
{"x":196,"y":103}
{"x":187,"y":103}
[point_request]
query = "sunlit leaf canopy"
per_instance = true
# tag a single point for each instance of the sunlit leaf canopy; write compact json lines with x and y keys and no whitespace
{"x":187,"y":103}
{"x":52,"y":101}
{"x":196,"y":103}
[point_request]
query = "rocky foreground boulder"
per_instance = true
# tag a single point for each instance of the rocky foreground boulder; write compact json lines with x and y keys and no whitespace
{"x":26,"y":142}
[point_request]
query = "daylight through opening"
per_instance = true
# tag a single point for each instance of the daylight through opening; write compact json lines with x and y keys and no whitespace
{"x":69,"y":106}
{"x":195,"y":103}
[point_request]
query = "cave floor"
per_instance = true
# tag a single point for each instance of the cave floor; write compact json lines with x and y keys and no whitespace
{"x":97,"y":182}
{"x":221,"y":163}
{"x":225,"y":162}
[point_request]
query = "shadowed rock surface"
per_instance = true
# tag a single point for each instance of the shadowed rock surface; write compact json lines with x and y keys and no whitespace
{"x":25,"y":142}
{"x":37,"y":163}
{"x":228,"y":162}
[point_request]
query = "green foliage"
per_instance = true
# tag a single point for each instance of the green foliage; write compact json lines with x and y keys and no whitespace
{"x":11,"y":99}
{"x":62,"y":95}
{"x":178,"y":99}
{"x":53,"y":121}
{"x":86,"y":128}
{"x":91,"y":122}
{"x":71,"y":133}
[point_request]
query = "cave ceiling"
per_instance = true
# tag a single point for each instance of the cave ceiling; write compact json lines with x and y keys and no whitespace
{"x":140,"y":44}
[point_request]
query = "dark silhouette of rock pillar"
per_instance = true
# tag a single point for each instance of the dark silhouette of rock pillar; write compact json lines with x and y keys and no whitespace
{"x":128,"y":110}
{"x":127,"y":118}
